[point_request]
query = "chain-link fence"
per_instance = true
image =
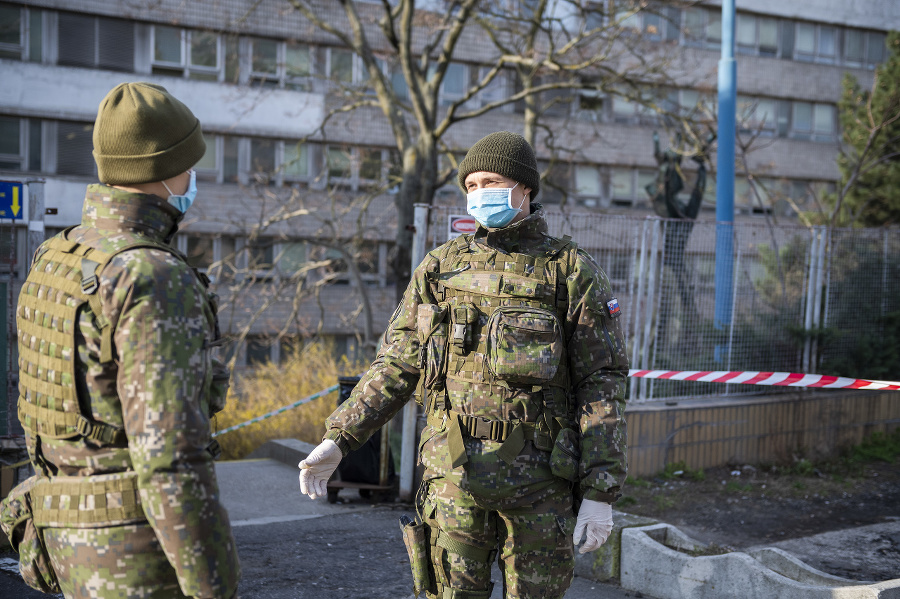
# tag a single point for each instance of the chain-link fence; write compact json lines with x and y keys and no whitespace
{"x":803,"y":299}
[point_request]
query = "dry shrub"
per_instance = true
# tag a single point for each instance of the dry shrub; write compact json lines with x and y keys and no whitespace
{"x":271,"y":386}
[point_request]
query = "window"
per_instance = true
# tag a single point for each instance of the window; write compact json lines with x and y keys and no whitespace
{"x":262,"y":160}
{"x":295,"y":166}
{"x":369,"y":165}
{"x":200,"y":251}
{"x":756,"y":115}
{"x":259,"y":350}
{"x":588,"y":185}
{"x":95,"y":42}
{"x":260,"y":254}
{"x":813,"y":121}
{"x":74,"y":143}
{"x":187,"y":53}
{"x":862,"y":47}
{"x":20,"y":144}
{"x":338,"y":162}
{"x":622,"y":183}
{"x":453,"y":87}
{"x":12,"y":42}
{"x":340,"y":65}
{"x":590,"y":105}
{"x":291,"y":257}
{"x":815,"y":43}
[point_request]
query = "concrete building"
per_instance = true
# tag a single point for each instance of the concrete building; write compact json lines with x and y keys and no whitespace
{"x":260,"y":79}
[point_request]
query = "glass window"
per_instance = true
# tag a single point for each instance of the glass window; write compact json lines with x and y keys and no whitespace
{"x":205,"y":51}
{"x":745,"y":34}
{"x":875,"y":50}
{"x":623,"y":107}
{"x":768,"y":37}
{"x":260,"y":254}
{"x":805,"y":42}
{"x":714,"y":27}
{"x":342,"y":65}
{"x":200,"y":251}
{"x":338,"y":162}
{"x":827,"y":41}
{"x":622,"y":183}
{"x":35,"y":35}
{"x":265,"y":56}
{"x":802,"y":120}
{"x":74,"y":142}
{"x":262,"y":156}
{"x":230,"y":162}
{"x":370,"y":165}
{"x":292,"y":257}
{"x":34,"y":145}
{"x":10,"y":135}
{"x":454,"y":84}
{"x":297,"y":60}
{"x":296,"y":160}
{"x":10,"y":32}
{"x":258,"y":351}
{"x":587,"y":180}
{"x":854,"y":45}
{"x":398,"y":81}
{"x":208,"y":162}
{"x":167,"y":45}
{"x":823,"y":119}
{"x":695,"y":23}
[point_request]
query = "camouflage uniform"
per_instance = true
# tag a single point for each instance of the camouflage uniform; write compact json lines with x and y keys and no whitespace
{"x":164,"y":533}
{"x":512,"y":443}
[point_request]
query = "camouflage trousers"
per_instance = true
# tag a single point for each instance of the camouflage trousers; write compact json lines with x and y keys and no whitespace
{"x":533,"y":543}
{"x":119,"y":561}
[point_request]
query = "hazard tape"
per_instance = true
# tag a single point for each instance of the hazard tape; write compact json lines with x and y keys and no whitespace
{"x":281,"y":410}
{"x":778,"y":379}
{"x":739,"y":377}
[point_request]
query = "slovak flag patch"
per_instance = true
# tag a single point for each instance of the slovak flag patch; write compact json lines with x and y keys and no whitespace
{"x":613,"y":306}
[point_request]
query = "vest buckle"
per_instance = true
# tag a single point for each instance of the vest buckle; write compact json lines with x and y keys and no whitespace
{"x":89,"y":284}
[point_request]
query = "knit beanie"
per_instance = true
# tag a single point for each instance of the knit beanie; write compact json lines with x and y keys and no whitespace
{"x":143,"y":134}
{"x":506,"y":154}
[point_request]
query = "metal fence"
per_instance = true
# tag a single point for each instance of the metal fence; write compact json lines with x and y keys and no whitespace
{"x":804,"y":299}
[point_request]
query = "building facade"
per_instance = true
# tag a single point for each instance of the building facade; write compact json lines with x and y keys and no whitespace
{"x":277,"y":194}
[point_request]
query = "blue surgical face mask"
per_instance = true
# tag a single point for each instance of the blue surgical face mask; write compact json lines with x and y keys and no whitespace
{"x":492,"y":207}
{"x":183,"y":202}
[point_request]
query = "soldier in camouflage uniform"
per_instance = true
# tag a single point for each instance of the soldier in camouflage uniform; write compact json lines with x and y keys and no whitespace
{"x":117,"y":379}
{"x":513,"y":339}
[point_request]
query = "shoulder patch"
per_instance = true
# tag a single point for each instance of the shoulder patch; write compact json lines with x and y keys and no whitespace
{"x":613,"y":307}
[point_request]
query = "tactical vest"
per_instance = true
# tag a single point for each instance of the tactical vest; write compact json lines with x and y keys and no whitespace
{"x":499,"y":321}
{"x":62,"y":282}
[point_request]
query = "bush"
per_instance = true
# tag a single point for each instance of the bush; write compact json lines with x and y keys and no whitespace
{"x":271,"y":386}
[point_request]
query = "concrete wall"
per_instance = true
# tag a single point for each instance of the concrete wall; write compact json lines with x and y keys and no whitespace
{"x":750,"y":430}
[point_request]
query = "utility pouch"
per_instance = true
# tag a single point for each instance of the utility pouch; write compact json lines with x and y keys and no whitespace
{"x":17,"y":522}
{"x":566,"y":455}
{"x":524,"y":345}
{"x":433,"y":329}
{"x":464,"y":317}
{"x":416,"y":541}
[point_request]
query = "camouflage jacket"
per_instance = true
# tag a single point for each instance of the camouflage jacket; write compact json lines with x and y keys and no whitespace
{"x":594,"y":379}
{"x":156,"y":388}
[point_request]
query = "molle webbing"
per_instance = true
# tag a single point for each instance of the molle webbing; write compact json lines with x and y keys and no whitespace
{"x":86,"y":502}
{"x":63,"y":279}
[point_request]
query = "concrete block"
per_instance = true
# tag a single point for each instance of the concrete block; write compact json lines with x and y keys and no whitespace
{"x":603,"y":565}
{"x":651,"y":566}
{"x":286,"y":451}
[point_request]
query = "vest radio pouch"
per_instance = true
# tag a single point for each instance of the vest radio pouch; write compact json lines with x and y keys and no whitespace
{"x":415,"y":537}
{"x":17,"y":522}
{"x":524,"y":345}
{"x":433,"y":329}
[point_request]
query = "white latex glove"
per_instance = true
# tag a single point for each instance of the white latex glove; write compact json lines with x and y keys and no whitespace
{"x":595,"y":519}
{"x":318,"y":467}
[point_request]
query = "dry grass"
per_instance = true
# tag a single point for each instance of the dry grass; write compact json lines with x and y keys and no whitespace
{"x":269,"y":387}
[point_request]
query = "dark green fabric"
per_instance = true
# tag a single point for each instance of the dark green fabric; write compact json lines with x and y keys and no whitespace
{"x":143,"y":134}
{"x":504,"y":153}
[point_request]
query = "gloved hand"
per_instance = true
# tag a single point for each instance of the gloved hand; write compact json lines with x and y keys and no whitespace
{"x":318,"y":467}
{"x":594,"y":518}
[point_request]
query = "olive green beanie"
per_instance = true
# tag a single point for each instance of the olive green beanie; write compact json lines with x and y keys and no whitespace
{"x":506,"y":154}
{"x":143,"y":134}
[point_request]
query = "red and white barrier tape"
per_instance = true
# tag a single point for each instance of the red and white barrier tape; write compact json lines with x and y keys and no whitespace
{"x":782,"y":379}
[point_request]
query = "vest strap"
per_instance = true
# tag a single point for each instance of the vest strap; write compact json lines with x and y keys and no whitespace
{"x":87,"y":502}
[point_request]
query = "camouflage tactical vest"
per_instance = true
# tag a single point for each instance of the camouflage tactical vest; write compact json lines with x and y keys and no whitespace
{"x":62,"y":282}
{"x":498,"y":323}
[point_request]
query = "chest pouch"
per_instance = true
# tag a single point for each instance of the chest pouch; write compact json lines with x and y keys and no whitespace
{"x":464,"y":318}
{"x":433,"y":329}
{"x":524,"y":345}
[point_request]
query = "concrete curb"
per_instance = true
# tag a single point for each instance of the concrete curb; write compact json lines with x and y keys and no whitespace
{"x":656,"y":559}
{"x":653,"y":563}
